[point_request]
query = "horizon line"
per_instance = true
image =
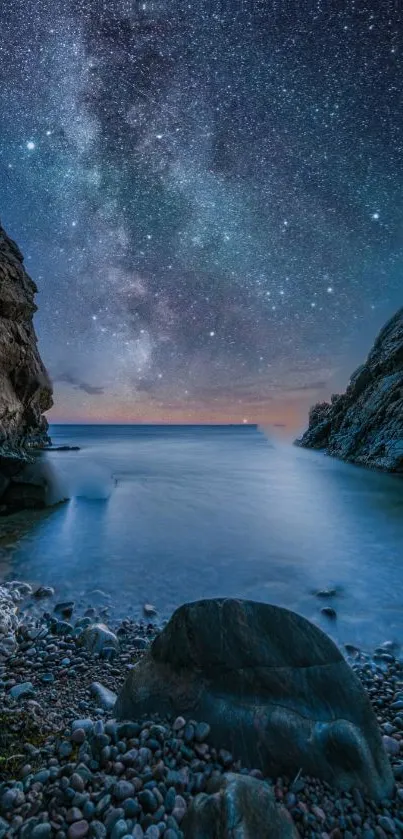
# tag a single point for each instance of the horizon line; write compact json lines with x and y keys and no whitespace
{"x":164,"y":424}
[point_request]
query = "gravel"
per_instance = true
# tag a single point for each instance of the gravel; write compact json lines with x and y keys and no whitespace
{"x":71,"y":771}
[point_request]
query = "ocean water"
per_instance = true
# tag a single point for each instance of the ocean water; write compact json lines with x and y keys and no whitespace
{"x":170,"y":514}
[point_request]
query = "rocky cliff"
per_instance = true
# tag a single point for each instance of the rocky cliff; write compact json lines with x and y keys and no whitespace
{"x":25,"y":388}
{"x":365,"y":424}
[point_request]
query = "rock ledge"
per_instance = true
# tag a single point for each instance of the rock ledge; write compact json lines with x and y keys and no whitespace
{"x":365,"y":424}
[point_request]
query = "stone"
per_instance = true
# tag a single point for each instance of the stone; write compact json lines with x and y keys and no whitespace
{"x":391,"y":745}
{"x":241,"y":807}
{"x":78,"y":829}
{"x":98,"y":636}
{"x":44,"y":591}
{"x":122,"y":790}
{"x":329,"y":612}
{"x":22,"y":690}
{"x":41,"y":831}
{"x":202,"y":732}
{"x":8,"y":623}
{"x":275,"y":690}
{"x":86,"y":725}
{"x":65,"y":609}
{"x":365,"y":424}
{"x":105,"y":697}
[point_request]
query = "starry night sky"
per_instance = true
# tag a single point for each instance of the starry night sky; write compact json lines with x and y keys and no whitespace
{"x":209,"y":196}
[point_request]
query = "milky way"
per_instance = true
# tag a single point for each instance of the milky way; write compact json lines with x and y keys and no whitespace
{"x":208,"y":195}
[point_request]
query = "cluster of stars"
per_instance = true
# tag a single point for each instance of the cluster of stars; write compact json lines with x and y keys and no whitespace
{"x":210,"y":200}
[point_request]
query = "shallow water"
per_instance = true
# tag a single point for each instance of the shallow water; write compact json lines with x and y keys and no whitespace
{"x":169,"y":514}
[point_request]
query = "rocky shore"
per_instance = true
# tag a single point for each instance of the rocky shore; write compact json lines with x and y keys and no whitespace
{"x":25,"y":388}
{"x":365,"y":424}
{"x":69,"y":769}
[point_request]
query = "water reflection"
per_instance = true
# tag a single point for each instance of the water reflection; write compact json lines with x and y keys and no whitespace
{"x":167,"y":515}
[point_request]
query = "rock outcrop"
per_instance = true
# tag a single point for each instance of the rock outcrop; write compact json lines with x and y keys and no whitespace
{"x":275,"y":690}
{"x":365,"y":424}
{"x":25,"y":388}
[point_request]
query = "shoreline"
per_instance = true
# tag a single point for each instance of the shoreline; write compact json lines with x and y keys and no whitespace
{"x":65,"y":764}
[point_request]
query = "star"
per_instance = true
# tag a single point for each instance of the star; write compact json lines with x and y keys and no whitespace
{"x":166,"y":171}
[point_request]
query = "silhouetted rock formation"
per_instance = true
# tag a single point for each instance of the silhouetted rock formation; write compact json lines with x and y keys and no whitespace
{"x":274,"y":689}
{"x":365,"y":424}
{"x":25,"y":388}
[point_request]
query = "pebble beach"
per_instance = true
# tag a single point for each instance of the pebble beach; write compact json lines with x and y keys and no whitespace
{"x":69,"y":770}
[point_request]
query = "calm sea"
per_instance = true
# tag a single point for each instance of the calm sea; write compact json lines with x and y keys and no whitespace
{"x":169,"y":514}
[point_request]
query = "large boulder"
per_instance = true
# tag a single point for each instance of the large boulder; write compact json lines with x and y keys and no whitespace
{"x":275,"y":690}
{"x":365,"y":424}
{"x":241,"y":808}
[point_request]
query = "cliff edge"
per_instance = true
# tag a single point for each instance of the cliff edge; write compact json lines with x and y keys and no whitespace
{"x":365,"y":424}
{"x":25,"y":387}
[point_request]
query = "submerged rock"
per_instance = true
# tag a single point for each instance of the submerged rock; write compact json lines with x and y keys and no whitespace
{"x":365,"y":424}
{"x":274,"y":688}
{"x":240,"y":807}
{"x":25,"y":388}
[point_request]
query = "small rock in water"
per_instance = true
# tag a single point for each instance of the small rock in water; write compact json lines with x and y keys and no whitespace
{"x":329,"y":612}
{"x":326,"y":592}
{"x":149,"y":610}
{"x":351,"y":649}
{"x":44,"y":591}
{"x":65,"y":609}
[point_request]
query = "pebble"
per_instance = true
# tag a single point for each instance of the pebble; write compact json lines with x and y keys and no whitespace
{"x":44,"y":591}
{"x":78,"y":829}
{"x":391,"y":745}
{"x":22,"y":690}
{"x":202,"y":731}
{"x":106,"y":698}
{"x":41,"y":831}
{"x":329,"y":612}
{"x":100,"y":778}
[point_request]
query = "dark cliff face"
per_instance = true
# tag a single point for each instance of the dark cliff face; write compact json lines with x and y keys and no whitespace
{"x":365,"y":424}
{"x":25,"y":387}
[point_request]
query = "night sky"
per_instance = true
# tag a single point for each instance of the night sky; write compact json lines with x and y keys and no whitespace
{"x":209,"y":196}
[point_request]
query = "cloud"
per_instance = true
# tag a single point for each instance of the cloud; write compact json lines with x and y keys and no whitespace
{"x":92,"y":390}
{"x":318,"y":385}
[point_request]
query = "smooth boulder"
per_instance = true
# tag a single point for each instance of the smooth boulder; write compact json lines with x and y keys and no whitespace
{"x":241,"y":808}
{"x":274,"y":688}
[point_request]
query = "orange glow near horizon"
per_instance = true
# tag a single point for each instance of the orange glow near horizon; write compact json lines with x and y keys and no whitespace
{"x":287,"y":416}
